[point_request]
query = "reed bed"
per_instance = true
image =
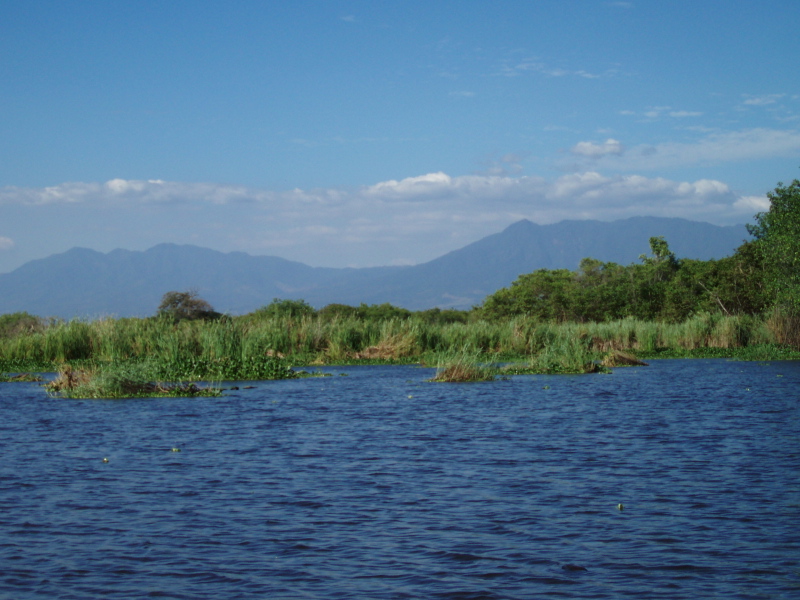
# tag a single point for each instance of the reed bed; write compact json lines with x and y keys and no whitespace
{"x":257,"y":347}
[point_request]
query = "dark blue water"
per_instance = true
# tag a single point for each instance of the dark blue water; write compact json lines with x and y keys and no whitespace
{"x":382,"y":485}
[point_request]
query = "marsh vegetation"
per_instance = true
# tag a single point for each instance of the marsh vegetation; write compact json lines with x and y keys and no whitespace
{"x":601,"y":315}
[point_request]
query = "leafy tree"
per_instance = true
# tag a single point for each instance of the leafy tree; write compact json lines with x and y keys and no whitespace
{"x":180,"y":306}
{"x":545,"y":295}
{"x":739,"y":283}
{"x":439,"y":316}
{"x":603,"y":291}
{"x":778,"y":234}
{"x":382,"y":312}
{"x":653,"y":279}
{"x":14,"y":324}
{"x":662,"y":256}
{"x":285,"y":308}
{"x":337,"y":311}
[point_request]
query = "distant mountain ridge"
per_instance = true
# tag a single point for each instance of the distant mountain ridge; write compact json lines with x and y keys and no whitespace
{"x":86,"y":283}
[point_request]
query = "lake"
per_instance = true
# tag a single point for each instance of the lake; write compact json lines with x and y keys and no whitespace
{"x":379,"y":484}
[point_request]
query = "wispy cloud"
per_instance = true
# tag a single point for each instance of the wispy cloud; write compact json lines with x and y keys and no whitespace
{"x":679,"y":114}
{"x":534,"y":65}
{"x":468,"y":197}
{"x":593,"y":150}
{"x":657,"y":112}
{"x":763,"y":100}
{"x":399,"y":221}
{"x":508,"y":164}
{"x":6,"y":243}
{"x":715,"y":148}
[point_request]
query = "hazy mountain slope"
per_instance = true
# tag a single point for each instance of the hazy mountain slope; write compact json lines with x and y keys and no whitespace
{"x":86,"y":283}
{"x":466,"y":276}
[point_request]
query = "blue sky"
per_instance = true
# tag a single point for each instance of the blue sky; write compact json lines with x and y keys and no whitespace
{"x":360,"y":133}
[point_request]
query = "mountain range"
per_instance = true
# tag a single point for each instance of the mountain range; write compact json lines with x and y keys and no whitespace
{"x":88,"y":284}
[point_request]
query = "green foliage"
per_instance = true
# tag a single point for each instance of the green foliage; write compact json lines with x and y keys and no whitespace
{"x":337,"y":311}
{"x":543,"y":295}
{"x":382,"y":312}
{"x":284,"y":309}
{"x":440,"y":317}
{"x":659,"y":288}
{"x":463,"y":366}
{"x":778,"y":235}
{"x":569,"y":355}
{"x":19,"y":323}
{"x":224,"y":368}
{"x":185,"y":306}
{"x":19,"y":378}
{"x":121,"y":380}
{"x":238,"y":349}
{"x":372,"y":312}
{"x":662,"y":256}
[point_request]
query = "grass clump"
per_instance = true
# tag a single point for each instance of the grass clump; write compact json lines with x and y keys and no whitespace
{"x":463,"y":367}
{"x":562,"y":355}
{"x":119,"y":381}
{"x":567,"y":356}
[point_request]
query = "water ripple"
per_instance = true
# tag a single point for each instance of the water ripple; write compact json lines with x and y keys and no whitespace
{"x":381,"y":485}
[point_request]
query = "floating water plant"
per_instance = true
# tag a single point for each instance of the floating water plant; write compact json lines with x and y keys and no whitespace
{"x":19,"y":377}
{"x":119,"y":382}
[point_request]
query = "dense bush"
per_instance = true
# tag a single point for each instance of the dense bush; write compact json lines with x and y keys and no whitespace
{"x":14,"y":324}
{"x":659,"y":288}
{"x":185,"y":306}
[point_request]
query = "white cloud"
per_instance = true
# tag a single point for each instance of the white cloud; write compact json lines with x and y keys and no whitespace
{"x":409,"y":187}
{"x":6,"y":243}
{"x":127,"y":191}
{"x":656,"y":112}
{"x":398,"y":221}
{"x":685,"y":113}
{"x":762,"y":100}
{"x":534,"y":65}
{"x":592,"y":150}
{"x":715,"y":148}
{"x":433,"y":197}
{"x":752,"y":204}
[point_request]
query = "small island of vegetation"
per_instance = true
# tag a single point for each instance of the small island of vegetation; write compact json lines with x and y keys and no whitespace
{"x":549,"y":321}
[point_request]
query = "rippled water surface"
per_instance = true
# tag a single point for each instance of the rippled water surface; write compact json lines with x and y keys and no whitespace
{"x":379,"y":484}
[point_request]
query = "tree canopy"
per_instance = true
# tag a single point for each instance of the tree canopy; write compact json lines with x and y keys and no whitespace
{"x":180,"y":306}
{"x":660,"y":287}
{"x":777,"y":232}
